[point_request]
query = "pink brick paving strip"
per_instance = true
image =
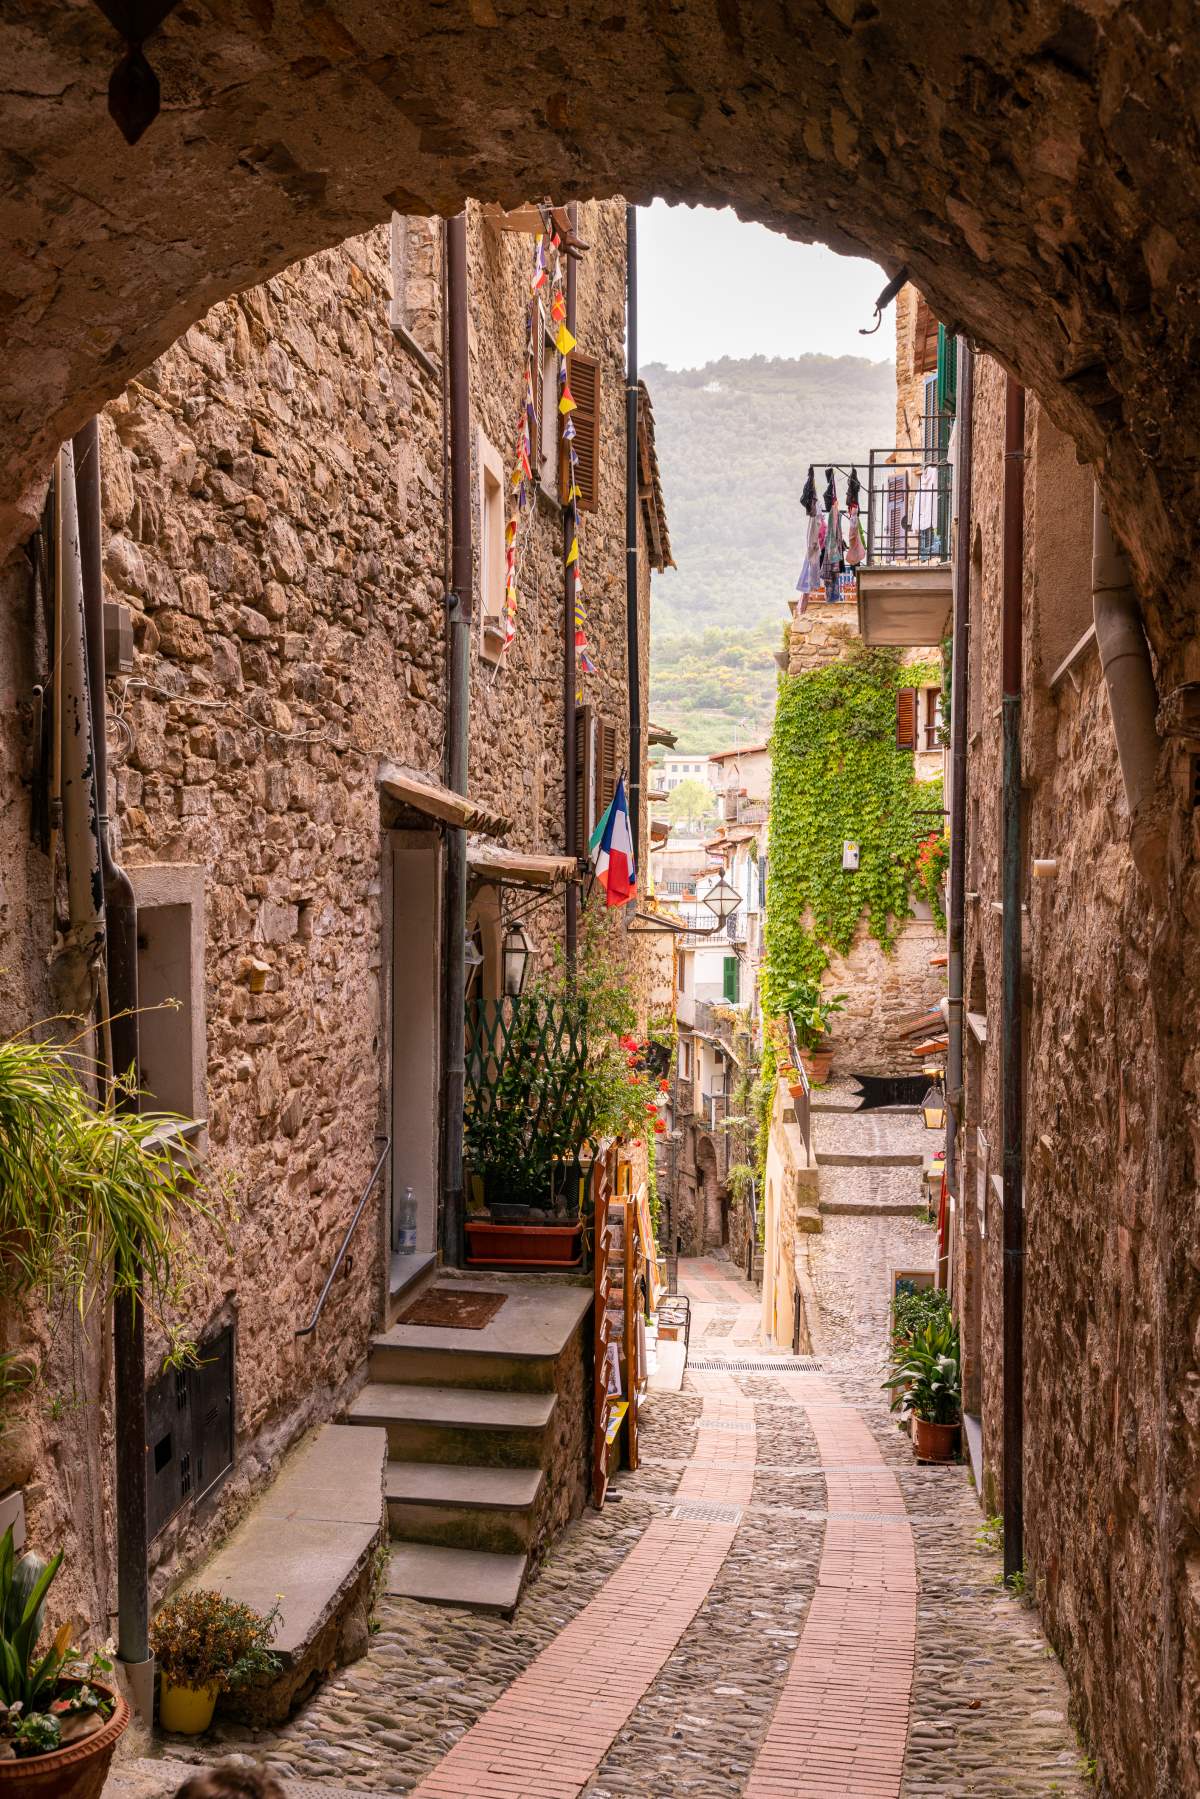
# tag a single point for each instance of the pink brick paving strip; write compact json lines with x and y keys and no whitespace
{"x":841,"y":1724}
{"x":545,"y":1736}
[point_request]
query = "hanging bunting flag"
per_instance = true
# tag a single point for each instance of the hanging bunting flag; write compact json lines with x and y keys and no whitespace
{"x":568,"y":401}
{"x":564,"y":343}
{"x":573,"y":552}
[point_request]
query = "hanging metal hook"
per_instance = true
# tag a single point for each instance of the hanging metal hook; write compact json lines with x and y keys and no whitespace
{"x":885,"y":299}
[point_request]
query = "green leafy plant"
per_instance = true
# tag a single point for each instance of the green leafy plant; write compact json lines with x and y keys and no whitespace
{"x":47,"y":1700}
{"x":91,"y":1198}
{"x":927,"y":1377}
{"x":910,"y":1311}
{"x":990,"y":1534}
{"x":836,"y":774}
{"x":202,"y":1639}
{"x":811,"y":1011}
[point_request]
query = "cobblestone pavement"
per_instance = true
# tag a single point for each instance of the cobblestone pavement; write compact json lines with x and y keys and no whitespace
{"x":799,"y":1575}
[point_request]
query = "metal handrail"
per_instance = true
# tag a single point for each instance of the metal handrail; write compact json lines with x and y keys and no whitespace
{"x":311,"y":1326}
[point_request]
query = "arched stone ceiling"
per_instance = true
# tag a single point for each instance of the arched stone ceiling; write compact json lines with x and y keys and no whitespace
{"x":1034,"y":165}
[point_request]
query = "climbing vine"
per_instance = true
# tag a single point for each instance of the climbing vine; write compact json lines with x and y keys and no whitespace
{"x":837,"y":775}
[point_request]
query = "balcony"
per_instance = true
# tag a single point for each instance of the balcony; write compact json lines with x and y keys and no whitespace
{"x":904,"y":585}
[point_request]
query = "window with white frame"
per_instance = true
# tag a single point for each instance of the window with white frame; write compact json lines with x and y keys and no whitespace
{"x":491,"y":549}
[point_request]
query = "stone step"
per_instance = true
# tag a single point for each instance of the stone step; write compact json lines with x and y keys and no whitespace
{"x":870,"y":1158}
{"x":458,"y":1424}
{"x":471,"y":1578}
{"x":517,"y":1350}
{"x":877,"y":1208}
{"x":463,"y":1507}
{"x":308,"y":1541}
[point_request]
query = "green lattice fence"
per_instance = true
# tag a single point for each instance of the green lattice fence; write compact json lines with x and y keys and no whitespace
{"x":529,"y":1108}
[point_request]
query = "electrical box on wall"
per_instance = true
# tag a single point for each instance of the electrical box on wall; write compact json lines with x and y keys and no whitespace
{"x":849,"y":856}
{"x":189,"y":1430}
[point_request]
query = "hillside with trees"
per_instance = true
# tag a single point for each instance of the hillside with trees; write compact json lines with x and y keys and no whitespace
{"x":735,"y":439}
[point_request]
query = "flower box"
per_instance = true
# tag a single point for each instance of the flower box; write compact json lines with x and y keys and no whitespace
{"x":523,"y":1245}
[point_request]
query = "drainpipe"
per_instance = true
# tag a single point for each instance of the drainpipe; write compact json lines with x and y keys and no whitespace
{"x":632,"y":620}
{"x":1132,"y":697}
{"x":458,"y":702}
{"x":129,"y":1318}
{"x":570,"y":771}
{"x":76,"y":957}
{"x":959,"y":703}
{"x":1011,"y":1046}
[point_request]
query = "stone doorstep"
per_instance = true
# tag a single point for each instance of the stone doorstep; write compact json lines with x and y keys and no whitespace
{"x":382,"y":1402}
{"x":309,"y":1541}
{"x":866,"y":1208}
{"x":536,"y":1322}
{"x":477,"y":1580}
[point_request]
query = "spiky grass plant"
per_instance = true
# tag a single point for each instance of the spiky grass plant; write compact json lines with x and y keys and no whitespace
{"x":90,"y":1202}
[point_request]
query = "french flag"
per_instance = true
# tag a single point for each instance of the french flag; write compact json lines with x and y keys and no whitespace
{"x":611,"y":851}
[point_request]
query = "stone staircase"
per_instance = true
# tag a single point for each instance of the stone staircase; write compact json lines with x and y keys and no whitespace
{"x":481,"y":1425}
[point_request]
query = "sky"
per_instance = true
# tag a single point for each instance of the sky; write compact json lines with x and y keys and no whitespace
{"x":711,"y":286}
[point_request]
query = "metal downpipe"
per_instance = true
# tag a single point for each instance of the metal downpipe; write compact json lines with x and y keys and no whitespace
{"x":129,"y":1318}
{"x":1132,"y":698}
{"x":959,"y":711}
{"x":1012,"y":1051}
{"x":570,"y":770}
{"x":75,"y":961}
{"x":458,"y":703}
{"x":632,"y":616}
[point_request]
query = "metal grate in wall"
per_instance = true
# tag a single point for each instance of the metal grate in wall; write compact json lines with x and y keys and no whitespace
{"x":799,"y":1364}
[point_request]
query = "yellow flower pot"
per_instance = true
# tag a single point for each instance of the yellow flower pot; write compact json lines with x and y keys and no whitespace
{"x":185,"y":1710}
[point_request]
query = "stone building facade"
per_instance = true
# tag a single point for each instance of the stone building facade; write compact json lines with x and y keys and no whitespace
{"x":1111,"y":1292}
{"x":883,"y":989}
{"x":275,"y":525}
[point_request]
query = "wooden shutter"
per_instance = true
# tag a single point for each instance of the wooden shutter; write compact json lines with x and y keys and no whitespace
{"x":606,"y":764}
{"x":906,"y":718}
{"x":731,"y":980}
{"x":585,"y":779}
{"x":583,"y":378}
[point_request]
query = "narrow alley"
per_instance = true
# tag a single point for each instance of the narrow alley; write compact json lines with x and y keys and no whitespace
{"x":779,"y":1603}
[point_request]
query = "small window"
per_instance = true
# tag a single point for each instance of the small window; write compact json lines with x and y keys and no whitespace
{"x":931,"y":718}
{"x":170,"y":971}
{"x":732,"y":980}
{"x":685,"y":1058}
{"x":491,"y":550}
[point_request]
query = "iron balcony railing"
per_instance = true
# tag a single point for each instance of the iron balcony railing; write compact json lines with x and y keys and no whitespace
{"x":909,"y":503}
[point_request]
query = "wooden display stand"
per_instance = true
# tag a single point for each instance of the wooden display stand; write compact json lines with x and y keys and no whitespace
{"x":620,"y":1275}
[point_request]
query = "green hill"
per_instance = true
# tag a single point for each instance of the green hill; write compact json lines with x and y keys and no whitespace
{"x":734,"y":442}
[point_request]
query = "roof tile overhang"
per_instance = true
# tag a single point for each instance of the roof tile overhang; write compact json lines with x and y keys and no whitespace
{"x":661,"y":735}
{"x":421,"y":794}
{"x":492,"y":862}
{"x":908,"y":607}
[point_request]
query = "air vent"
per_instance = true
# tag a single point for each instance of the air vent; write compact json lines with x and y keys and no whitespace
{"x":705,"y":1511}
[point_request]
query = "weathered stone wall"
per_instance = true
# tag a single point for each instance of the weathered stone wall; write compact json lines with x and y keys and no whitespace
{"x":882,"y":990}
{"x":790,"y":1201}
{"x":1111,"y":1289}
{"x":273,"y":501}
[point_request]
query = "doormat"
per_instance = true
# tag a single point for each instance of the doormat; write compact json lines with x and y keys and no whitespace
{"x":453,"y":1309}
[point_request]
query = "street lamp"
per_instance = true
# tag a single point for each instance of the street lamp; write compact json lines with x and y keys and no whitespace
{"x":517,"y":954}
{"x":723,"y":900}
{"x":933,"y":1106}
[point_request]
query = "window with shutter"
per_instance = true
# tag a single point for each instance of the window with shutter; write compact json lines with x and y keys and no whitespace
{"x":731,"y":980}
{"x":606,"y":765}
{"x":947,"y":371}
{"x":906,"y":718}
{"x":585,"y":778}
{"x":583,"y":378}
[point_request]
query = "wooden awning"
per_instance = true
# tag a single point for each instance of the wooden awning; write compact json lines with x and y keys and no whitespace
{"x":435,"y":801}
{"x":492,"y":862}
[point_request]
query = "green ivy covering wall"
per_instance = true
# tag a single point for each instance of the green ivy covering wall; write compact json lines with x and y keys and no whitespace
{"x":836,"y":774}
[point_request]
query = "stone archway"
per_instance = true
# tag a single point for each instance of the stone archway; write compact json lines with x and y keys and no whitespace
{"x":1023,"y":166}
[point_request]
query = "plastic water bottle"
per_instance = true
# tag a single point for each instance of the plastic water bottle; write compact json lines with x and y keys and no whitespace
{"x":406,"y":1223}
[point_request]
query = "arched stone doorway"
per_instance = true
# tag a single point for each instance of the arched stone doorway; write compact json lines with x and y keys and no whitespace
{"x":1014,"y":169}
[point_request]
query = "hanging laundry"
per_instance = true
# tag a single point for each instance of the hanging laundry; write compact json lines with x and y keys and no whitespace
{"x":853,"y":489}
{"x":810,"y":573}
{"x":924,"y":509}
{"x":832,"y":561}
{"x":808,"y":496}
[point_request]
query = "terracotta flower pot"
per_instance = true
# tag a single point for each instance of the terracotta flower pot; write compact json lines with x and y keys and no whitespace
{"x":523,"y":1245}
{"x":77,"y":1772}
{"x":934,"y":1442}
{"x":184,"y":1709}
{"x":817,"y":1062}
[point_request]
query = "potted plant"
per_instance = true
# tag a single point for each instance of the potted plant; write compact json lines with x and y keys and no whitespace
{"x":207,"y":1644}
{"x":810,"y":1012}
{"x":59,"y":1719}
{"x":928,"y":1381}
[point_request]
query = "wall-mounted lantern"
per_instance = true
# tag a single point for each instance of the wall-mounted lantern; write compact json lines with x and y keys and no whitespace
{"x":517,"y":954}
{"x":933,"y":1109}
